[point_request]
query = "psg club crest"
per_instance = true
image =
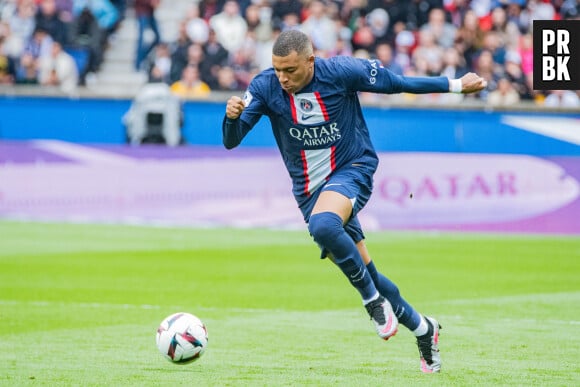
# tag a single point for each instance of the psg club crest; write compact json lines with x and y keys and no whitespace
{"x":305,"y":105}
{"x":309,"y":109}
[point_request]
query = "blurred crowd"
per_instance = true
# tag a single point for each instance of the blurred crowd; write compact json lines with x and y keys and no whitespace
{"x":223,"y":44}
{"x":55,"y":42}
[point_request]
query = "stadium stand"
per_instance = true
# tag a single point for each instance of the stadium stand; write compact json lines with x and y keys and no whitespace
{"x":230,"y":41}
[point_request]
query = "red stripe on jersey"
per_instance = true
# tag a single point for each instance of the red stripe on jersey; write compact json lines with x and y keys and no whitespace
{"x":293,"y":109}
{"x":322,"y":106}
{"x":333,"y":158}
{"x":305,"y":169}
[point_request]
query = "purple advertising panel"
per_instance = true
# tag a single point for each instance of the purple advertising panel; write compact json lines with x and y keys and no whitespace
{"x":209,"y":186}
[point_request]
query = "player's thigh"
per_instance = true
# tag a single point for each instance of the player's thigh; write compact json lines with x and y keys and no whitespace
{"x":332,"y":201}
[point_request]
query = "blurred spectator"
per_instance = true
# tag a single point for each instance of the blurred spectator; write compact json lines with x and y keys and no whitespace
{"x":145,"y":13}
{"x":397,"y":11}
{"x":442,"y":31}
{"x":196,"y":27}
{"x":429,"y":52}
{"x":343,"y":44}
{"x":404,"y":44}
{"x":453,"y":64}
{"x":230,"y":27}
{"x":378,"y":21}
{"x":209,"y":8}
{"x":290,"y":21}
{"x":493,"y":44}
{"x":321,"y":28}
{"x":242,"y":62}
{"x":514,"y":15}
{"x":352,"y":13}
{"x":469,"y":39}
{"x":58,"y":69}
{"x":27,"y":70}
{"x":7,"y":67}
{"x":38,"y":45}
{"x":570,"y":9}
{"x":178,"y":50}
{"x":485,"y":67}
{"x":22,"y":24}
{"x":103,"y":11}
{"x":384,"y":53}
{"x":259,"y":22}
{"x":190,"y":85}
{"x":456,"y":9}
{"x":562,"y":99}
{"x":282,"y":8}
{"x":514,"y":73}
{"x":415,"y":13}
{"x":505,"y":30}
{"x":160,"y":64}
{"x":48,"y":19}
{"x":538,"y":10}
{"x":216,"y":56}
{"x":195,"y":57}
{"x":64,"y":8}
{"x":226,"y":80}
{"x":504,"y":95}
{"x":362,"y":39}
{"x":482,"y":9}
{"x":86,"y":34}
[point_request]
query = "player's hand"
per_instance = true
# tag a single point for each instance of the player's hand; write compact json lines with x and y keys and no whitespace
{"x":235,"y":107}
{"x":472,"y":83}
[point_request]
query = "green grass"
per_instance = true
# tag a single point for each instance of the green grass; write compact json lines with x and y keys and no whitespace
{"x":79,"y":305}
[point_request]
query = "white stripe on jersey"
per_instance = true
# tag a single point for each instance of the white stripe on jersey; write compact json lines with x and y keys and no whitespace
{"x":317,"y":164}
{"x":309,"y":109}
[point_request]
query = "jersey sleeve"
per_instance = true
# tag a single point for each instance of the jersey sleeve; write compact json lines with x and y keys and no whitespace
{"x":234,"y":131}
{"x":371,"y":76}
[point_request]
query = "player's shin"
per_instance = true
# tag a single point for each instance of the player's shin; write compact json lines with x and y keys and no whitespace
{"x":406,"y":314}
{"x":327,"y":230}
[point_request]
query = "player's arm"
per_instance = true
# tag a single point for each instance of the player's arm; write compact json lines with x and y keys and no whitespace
{"x":371,"y":76}
{"x":469,"y":83}
{"x":241,"y":116}
{"x":233,"y":128}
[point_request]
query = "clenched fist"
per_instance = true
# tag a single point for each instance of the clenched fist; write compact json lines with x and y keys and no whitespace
{"x":472,"y":83}
{"x":235,"y":107}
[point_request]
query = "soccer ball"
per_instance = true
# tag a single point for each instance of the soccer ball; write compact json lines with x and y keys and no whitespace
{"x":181,"y":338}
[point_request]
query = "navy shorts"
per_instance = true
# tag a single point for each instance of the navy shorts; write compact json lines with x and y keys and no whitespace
{"x":354,"y":182}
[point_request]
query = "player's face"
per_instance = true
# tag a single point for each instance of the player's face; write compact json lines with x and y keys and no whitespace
{"x":293,"y":71}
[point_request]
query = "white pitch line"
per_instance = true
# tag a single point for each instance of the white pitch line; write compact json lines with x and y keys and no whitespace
{"x":83,"y":154}
{"x":563,"y":129}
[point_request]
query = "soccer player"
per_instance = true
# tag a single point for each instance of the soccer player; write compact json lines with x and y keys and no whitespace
{"x":317,"y":121}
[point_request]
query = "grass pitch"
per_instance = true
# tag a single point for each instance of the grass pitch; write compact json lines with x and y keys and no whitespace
{"x":80,"y":304}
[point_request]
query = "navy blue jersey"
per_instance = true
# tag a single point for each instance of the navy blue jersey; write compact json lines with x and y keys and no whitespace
{"x":321,"y":128}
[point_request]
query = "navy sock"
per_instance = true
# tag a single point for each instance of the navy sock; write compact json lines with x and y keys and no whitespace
{"x":404,"y":312}
{"x":328,"y":231}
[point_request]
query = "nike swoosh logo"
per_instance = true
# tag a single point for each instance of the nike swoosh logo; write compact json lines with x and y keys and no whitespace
{"x":358,"y":272}
{"x":307,"y":116}
{"x":331,"y":184}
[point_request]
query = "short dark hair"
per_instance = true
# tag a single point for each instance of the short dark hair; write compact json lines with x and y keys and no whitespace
{"x":292,"y":40}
